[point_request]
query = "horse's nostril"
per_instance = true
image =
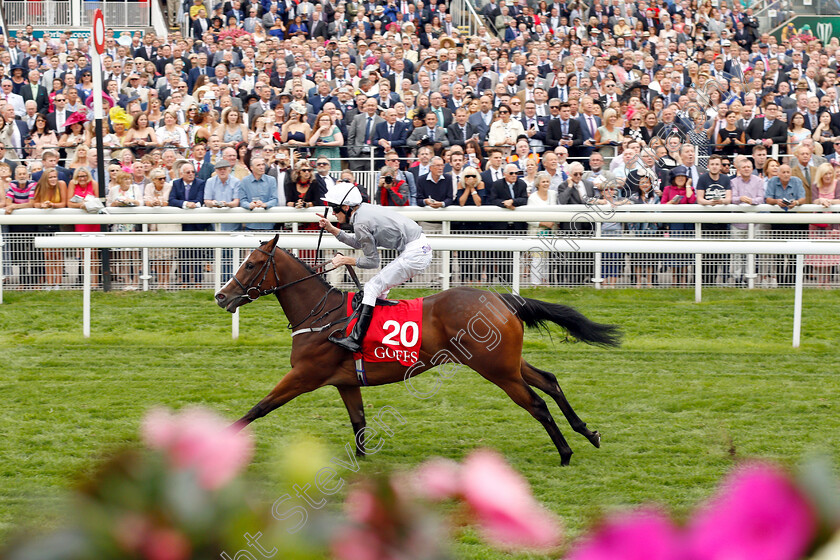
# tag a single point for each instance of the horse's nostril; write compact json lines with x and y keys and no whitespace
{"x":220,"y":297}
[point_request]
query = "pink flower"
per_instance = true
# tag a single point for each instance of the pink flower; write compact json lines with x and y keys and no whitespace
{"x":166,"y":544}
{"x":357,"y":544}
{"x":757,"y":513}
{"x":199,"y":440}
{"x":643,"y":535}
{"x":438,"y":479}
{"x":506,"y":512}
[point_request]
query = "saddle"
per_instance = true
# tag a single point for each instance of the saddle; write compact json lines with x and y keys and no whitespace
{"x":357,"y":301}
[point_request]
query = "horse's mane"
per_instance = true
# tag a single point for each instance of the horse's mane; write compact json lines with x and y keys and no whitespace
{"x":311,"y":270}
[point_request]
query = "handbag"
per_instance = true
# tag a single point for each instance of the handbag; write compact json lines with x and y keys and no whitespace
{"x":93,"y":205}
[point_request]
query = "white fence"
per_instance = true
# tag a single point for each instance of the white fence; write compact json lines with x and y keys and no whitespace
{"x":555,"y":261}
{"x":516,"y":246}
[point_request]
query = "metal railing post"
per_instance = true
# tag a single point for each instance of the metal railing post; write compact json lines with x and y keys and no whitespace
{"x":86,"y":294}
{"x":751,"y":259}
{"x":517,"y":266}
{"x":217,"y":265}
{"x":698,"y":268}
{"x":447,"y":261}
{"x":145,"y":273}
{"x":598,"y":280}
{"x":797,"y":299}
{"x":234,"y":328}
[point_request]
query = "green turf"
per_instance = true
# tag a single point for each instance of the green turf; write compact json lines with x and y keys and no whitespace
{"x":695,"y":388}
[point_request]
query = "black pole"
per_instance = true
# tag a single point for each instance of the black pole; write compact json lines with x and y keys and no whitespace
{"x":103,"y":186}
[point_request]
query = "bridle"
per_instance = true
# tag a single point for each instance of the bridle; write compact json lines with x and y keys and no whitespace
{"x":263,"y":273}
{"x":318,"y":308}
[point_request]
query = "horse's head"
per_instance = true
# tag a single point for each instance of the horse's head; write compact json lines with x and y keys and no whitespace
{"x":256,"y":277}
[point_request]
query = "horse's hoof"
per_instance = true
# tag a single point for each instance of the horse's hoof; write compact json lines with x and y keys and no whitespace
{"x":565,"y":459}
{"x":361,"y":454}
{"x":595,"y":438}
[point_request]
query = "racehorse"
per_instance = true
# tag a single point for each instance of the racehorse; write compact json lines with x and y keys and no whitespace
{"x":480,"y":329}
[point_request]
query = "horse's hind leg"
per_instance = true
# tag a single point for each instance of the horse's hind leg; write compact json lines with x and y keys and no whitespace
{"x":519,"y":391}
{"x":352,"y":397}
{"x":293,"y":384}
{"x":547,"y":382}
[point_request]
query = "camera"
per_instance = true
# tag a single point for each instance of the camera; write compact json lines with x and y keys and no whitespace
{"x":388,"y":179}
{"x":787,"y":201}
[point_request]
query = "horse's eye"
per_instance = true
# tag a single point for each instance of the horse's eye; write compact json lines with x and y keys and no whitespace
{"x":249,"y":265}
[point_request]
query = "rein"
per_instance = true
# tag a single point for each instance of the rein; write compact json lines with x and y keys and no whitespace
{"x":263,"y":273}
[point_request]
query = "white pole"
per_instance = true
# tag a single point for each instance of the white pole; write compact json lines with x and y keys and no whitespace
{"x":217,"y":264}
{"x":516,"y":268}
{"x":447,"y":261}
{"x":797,"y":299}
{"x":146,"y":273}
{"x":751,"y":258}
{"x":86,"y":294}
{"x":235,"y":320}
{"x":598,"y":279}
{"x":698,"y":268}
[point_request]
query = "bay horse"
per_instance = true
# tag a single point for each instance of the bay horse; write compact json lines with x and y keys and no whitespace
{"x":480,"y":329}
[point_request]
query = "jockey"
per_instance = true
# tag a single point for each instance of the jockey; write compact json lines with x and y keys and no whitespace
{"x":374,"y":226}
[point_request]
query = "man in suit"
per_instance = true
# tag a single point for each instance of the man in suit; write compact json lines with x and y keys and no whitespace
{"x":188,"y":192}
{"x":535,"y":127}
{"x":201,"y":69}
{"x":483,"y":118}
{"x":318,"y":28}
{"x":801,"y":166}
{"x":461,"y":130}
{"x":50,"y":160}
{"x":669,"y":125}
{"x":33,"y":90}
{"x":438,"y":107}
{"x":20,"y":132}
{"x":386,"y":98}
{"x":146,"y":51}
{"x":589,"y":124}
{"x":263,"y":104}
{"x":398,"y":74}
{"x":361,"y":134}
{"x":204,"y":168}
{"x":321,"y":97}
{"x":564,"y":131}
{"x":508,"y":192}
{"x":431,"y":134}
{"x":494,"y":171}
{"x":767,"y":130}
{"x":58,"y":117}
{"x":390,"y":135}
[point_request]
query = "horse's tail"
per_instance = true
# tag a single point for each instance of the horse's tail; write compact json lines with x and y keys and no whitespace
{"x":535,"y":314}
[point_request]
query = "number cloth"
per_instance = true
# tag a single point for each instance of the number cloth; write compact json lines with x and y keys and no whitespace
{"x":395,"y":332}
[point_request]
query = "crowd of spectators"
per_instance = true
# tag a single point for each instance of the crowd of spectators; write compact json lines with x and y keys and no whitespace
{"x":263,"y":104}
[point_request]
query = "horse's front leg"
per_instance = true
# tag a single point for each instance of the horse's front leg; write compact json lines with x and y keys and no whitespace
{"x":352,"y":397}
{"x":293,"y":384}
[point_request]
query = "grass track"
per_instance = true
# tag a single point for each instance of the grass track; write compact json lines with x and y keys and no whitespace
{"x":694,"y":388}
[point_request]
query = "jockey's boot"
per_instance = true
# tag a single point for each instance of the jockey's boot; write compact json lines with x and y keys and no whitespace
{"x":353,"y":343}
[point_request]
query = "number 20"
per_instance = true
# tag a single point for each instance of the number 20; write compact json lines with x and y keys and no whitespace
{"x":403,"y":332}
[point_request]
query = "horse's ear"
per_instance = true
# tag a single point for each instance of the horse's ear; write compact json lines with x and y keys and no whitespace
{"x":273,"y":242}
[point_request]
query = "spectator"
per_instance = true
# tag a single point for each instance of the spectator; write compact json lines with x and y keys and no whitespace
{"x":258,"y":191}
{"x":679,"y":191}
{"x":747,"y":188}
{"x":786,"y":192}
{"x":542,"y":196}
{"x":714,"y":189}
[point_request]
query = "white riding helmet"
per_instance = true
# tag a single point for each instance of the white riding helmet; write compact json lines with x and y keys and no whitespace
{"x":343,"y":193}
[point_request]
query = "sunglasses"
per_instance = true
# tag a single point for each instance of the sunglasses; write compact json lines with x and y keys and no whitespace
{"x":306,"y":169}
{"x":324,"y":164}
{"x":504,"y":112}
{"x":576,"y":173}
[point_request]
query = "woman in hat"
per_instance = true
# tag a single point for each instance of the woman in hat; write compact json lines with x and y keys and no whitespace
{"x":41,"y":136}
{"x":120,"y":121}
{"x":296,"y":130}
{"x":680,"y":191}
